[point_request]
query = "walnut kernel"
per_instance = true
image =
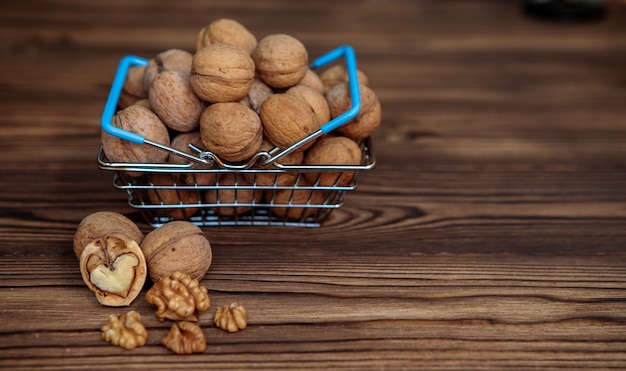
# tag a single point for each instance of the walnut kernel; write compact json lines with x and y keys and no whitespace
{"x":125,"y":331}
{"x":178,"y":297}
{"x":114,"y":268}
{"x":185,"y":338}
{"x":231,"y":318}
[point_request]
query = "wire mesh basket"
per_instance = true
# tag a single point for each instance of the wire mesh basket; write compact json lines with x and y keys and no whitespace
{"x":261,"y":191}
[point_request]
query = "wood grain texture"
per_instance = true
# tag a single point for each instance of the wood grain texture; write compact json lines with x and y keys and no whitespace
{"x":490,"y":235}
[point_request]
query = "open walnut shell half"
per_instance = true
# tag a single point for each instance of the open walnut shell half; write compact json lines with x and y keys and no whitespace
{"x":114,"y":268}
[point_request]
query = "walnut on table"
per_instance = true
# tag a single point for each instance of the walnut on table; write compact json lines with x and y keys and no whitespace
{"x":178,"y":297}
{"x":231,"y":318}
{"x":125,"y":331}
{"x":185,"y":338}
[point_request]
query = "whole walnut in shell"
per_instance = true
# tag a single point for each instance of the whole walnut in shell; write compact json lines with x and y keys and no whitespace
{"x":288,"y":119}
{"x":338,"y":74}
{"x":291,"y":198}
{"x":228,"y":194}
{"x":168,"y":60}
{"x":177,"y":246}
{"x":266,"y":177}
{"x":281,"y":60}
{"x":133,"y":89}
{"x":101,"y":223}
{"x":172,"y":199}
{"x":313,"y":80}
{"x":181,"y":143}
{"x":333,"y":150}
{"x":173,"y":100}
{"x":221,"y":73}
{"x":231,"y":130}
{"x":227,"y":31}
{"x":258,"y":93}
{"x":368,"y":119}
{"x":316,"y":100}
{"x":142,"y":121}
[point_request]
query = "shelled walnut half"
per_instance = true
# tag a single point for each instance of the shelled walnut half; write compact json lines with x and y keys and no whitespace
{"x":178,"y":297}
{"x":185,"y":338}
{"x":114,"y":268}
{"x":231,"y":318}
{"x":125,"y":331}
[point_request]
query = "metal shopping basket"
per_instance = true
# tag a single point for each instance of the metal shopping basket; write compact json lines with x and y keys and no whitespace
{"x":158,"y":191}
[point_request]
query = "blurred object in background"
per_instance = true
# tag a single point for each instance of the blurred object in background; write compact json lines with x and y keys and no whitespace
{"x":566,"y":10}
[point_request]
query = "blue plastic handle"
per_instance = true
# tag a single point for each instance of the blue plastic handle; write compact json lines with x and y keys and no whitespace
{"x":114,"y":95}
{"x":347,"y":52}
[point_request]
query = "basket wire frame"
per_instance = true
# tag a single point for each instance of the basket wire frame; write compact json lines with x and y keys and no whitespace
{"x":163,"y":192}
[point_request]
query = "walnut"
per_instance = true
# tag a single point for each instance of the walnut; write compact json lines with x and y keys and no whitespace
{"x":142,"y":121}
{"x":185,"y":338}
{"x":227,"y":194}
{"x":125,"y":331}
{"x":368,"y":119}
{"x":288,"y":119}
{"x":281,"y":60}
{"x":270,"y":178}
{"x":226,"y":31}
{"x":286,"y":202}
{"x":315,"y":99}
{"x":174,"y":102}
{"x":168,"y":60}
{"x":178,"y":297}
{"x":333,"y":150}
{"x":133,"y":89}
{"x":257,"y":95}
{"x":313,"y":80}
{"x":231,"y":318}
{"x":172,"y":197}
{"x":338,"y":74}
{"x":177,"y":246}
{"x":181,"y":142}
{"x":101,"y":223}
{"x":221,"y":73}
{"x":114,"y":268}
{"x":231,"y":130}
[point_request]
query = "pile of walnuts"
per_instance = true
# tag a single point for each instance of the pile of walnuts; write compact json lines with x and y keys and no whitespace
{"x":115,"y":261}
{"x":236,"y":96}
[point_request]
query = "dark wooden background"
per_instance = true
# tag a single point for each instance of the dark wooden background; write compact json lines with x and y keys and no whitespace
{"x":491,"y":234}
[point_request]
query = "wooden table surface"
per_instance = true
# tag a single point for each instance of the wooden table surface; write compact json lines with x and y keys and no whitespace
{"x":491,"y":234}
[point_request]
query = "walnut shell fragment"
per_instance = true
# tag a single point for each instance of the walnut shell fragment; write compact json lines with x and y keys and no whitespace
{"x":114,"y":268}
{"x":178,"y":297}
{"x":231,"y":318}
{"x":185,"y":338}
{"x":125,"y":331}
